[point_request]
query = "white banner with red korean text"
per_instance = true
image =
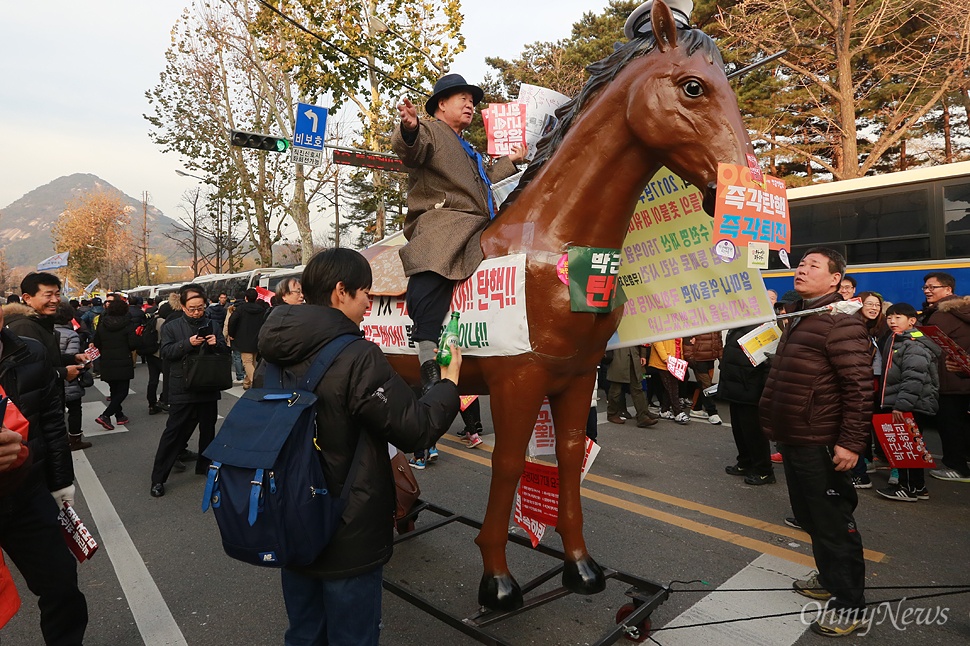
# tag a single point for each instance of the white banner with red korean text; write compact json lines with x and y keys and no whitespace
{"x":493,"y":318}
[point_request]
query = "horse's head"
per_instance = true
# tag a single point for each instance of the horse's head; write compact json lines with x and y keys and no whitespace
{"x":681,"y":84}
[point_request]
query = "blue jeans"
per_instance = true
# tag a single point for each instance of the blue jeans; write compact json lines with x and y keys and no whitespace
{"x":333,"y":612}
{"x":237,"y":365}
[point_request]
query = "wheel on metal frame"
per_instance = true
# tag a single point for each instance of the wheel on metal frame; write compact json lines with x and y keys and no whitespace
{"x":637,"y":633}
{"x":405,"y":526}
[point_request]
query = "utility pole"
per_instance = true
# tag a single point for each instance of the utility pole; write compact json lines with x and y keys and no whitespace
{"x":144,"y":236}
{"x":336,"y":207}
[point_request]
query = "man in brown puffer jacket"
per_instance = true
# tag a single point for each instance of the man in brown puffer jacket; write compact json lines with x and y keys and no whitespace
{"x":817,"y":405}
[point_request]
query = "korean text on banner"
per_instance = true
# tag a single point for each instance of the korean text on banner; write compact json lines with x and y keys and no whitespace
{"x":537,"y":496}
{"x":674,"y":282}
{"x":593,"y":279}
{"x":748,"y":211}
{"x":492,"y":306}
{"x":504,"y":126}
{"x":902,"y":442}
{"x":543,"y":440}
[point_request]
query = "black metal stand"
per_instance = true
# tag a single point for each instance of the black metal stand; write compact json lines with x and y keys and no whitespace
{"x":632,"y":621}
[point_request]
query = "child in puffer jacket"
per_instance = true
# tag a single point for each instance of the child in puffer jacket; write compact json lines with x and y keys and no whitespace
{"x":70,"y":343}
{"x":911,"y":384}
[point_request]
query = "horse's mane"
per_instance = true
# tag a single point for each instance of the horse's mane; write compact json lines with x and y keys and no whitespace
{"x":600,"y":74}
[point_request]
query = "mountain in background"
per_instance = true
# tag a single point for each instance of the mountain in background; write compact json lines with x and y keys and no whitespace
{"x":25,"y":225}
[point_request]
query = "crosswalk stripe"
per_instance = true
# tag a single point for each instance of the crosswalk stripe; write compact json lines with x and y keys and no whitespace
{"x":766,"y":571}
{"x":152,"y":615}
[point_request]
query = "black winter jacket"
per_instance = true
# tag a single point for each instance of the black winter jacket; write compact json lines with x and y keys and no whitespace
{"x":910,"y":382}
{"x":28,"y":378}
{"x":360,"y":394}
{"x":25,"y":321}
{"x":244,"y":326}
{"x":176,"y":333}
{"x":740,"y":382}
{"x":116,"y":338}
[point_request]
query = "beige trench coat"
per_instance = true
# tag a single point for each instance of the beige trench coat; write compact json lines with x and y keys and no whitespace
{"x":447,"y":202}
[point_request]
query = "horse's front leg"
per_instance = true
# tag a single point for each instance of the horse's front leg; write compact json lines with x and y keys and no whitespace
{"x":570,"y":410}
{"x":515,"y":406}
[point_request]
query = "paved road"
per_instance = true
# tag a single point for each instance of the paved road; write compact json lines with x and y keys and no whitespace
{"x":657,"y":504}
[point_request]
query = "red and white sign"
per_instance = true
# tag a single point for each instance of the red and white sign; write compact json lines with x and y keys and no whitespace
{"x":750,"y":210}
{"x":677,"y":367}
{"x":537,"y":498}
{"x":902,"y":442}
{"x":504,"y":126}
{"x":492,"y":306}
{"x":78,"y":538}
{"x":543,"y":440}
{"x":951,"y":348}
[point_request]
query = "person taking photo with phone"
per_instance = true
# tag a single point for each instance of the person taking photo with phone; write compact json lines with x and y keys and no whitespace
{"x":189,"y":407}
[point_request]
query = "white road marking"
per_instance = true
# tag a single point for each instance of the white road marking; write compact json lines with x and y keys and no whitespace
{"x":152,"y":615}
{"x":90,"y":410}
{"x":105,"y":389}
{"x":764,"y":572}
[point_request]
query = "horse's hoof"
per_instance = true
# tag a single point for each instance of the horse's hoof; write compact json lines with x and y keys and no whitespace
{"x":584,"y":576}
{"x":499,"y":592}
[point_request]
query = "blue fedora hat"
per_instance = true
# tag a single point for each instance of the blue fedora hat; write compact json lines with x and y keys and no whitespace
{"x":449,"y":84}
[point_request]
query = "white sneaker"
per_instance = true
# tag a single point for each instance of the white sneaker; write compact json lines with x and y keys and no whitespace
{"x":700,"y":414}
{"x":682,"y":418}
{"x":667,"y":414}
{"x":715,"y":419}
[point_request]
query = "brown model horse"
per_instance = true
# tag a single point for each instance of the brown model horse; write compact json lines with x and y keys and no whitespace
{"x":662,"y":99}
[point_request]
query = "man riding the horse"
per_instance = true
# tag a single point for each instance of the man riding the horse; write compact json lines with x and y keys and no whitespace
{"x":449,"y":205}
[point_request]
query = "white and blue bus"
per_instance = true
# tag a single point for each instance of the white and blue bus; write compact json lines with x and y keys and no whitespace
{"x":892,"y":229}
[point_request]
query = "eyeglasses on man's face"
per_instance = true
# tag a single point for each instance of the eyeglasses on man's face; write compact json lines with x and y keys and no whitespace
{"x":195,"y":310}
{"x":930,"y":288}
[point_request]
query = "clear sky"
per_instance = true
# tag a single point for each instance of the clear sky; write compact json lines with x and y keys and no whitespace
{"x":73,"y":77}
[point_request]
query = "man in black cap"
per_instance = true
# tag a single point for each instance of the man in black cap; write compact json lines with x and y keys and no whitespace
{"x":449,"y":204}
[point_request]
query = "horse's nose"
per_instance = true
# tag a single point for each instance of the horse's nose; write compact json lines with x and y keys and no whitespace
{"x":710,"y":197}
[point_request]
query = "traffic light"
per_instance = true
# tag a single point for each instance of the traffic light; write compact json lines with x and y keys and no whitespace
{"x":260,"y":142}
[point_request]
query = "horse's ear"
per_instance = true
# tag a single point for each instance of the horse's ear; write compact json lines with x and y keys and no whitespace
{"x":664,"y":27}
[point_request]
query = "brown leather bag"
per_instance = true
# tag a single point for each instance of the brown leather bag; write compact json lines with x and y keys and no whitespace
{"x":405,"y":485}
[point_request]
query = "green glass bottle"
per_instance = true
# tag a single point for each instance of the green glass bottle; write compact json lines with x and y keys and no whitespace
{"x":449,"y":336}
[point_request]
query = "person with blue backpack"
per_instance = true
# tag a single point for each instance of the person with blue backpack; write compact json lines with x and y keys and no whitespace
{"x":361,"y":406}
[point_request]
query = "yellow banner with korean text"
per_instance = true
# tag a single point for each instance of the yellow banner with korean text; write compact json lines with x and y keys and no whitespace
{"x":676,"y":285}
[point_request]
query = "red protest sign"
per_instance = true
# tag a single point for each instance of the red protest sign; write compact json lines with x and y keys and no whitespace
{"x":504,"y":127}
{"x":79,"y":539}
{"x":953,"y":351}
{"x":539,"y":492}
{"x":751,"y":211}
{"x":902,"y":442}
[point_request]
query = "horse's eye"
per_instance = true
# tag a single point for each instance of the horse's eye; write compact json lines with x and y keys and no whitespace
{"x":693,"y":89}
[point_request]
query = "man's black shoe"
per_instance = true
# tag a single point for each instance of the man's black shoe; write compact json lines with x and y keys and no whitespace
{"x":735,"y":470}
{"x":158,"y":490}
{"x":154,"y":410}
{"x":755,"y":480}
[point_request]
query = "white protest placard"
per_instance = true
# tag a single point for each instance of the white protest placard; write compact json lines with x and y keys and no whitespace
{"x":493,"y":314}
{"x":677,"y":367}
{"x":540,"y":109}
{"x":760,"y":342}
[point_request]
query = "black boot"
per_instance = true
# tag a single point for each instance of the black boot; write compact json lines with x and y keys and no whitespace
{"x":430,"y":375}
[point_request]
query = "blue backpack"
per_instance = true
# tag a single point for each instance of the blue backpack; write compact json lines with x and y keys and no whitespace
{"x":266,"y":485}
